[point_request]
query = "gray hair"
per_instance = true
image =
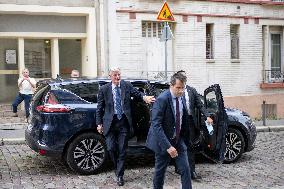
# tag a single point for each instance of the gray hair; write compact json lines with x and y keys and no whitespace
{"x":178,"y":76}
{"x":114,"y":69}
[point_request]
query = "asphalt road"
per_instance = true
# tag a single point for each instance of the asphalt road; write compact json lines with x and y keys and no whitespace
{"x":261,"y":168}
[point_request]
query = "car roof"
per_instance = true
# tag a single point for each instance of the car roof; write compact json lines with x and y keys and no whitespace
{"x":66,"y":81}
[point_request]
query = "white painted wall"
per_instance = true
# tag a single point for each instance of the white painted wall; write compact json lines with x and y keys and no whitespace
{"x":236,"y":79}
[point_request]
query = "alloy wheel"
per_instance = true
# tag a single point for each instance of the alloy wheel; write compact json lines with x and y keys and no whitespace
{"x":234,"y":145}
{"x":89,"y":154}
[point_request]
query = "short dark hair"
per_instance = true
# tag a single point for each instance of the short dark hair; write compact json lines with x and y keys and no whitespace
{"x":178,"y":76}
{"x":181,"y":71}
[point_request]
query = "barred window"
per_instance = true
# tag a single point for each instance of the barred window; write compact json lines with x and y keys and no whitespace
{"x":153,"y":29}
{"x":234,"y":35}
{"x":209,"y":41}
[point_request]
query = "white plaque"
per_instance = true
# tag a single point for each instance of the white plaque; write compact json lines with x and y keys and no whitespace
{"x":11,"y":57}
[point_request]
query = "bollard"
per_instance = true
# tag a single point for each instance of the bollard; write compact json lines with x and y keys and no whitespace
{"x":263,"y":113}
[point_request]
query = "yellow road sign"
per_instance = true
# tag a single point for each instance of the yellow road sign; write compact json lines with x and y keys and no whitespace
{"x":165,"y":13}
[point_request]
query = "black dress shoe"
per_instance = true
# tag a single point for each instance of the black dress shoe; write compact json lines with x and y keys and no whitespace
{"x":120,"y":181}
{"x":194,"y":176}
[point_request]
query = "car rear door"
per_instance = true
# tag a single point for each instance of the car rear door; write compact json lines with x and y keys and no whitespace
{"x":216,"y":142}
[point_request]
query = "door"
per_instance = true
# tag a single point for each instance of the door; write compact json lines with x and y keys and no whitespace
{"x":154,"y":50}
{"x":216,"y":142}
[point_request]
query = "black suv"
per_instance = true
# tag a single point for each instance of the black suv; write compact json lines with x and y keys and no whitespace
{"x":62,"y":123}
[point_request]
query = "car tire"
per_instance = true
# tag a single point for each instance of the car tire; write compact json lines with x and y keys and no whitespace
{"x":86,"y":153}
{"x":235,"y":145}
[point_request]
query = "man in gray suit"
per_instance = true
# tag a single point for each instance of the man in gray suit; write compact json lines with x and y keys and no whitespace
{"x":113,"y":117}
{"x":168,"y":132}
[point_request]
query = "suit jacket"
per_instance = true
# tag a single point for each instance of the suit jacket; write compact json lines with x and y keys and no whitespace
{"x":162,"y":128}
{"x":105,"y":108}
{"x":195,"y":103}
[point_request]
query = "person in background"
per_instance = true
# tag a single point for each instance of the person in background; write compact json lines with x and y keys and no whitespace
{"x":114,"y":120}
{"x":75,"y":73}
{"x":168,"y":132}
{"x":26,"y":86}
{"x":193,"y":102}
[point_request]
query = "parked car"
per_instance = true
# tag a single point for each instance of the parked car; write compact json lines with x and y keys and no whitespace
{"x":62,"y":123}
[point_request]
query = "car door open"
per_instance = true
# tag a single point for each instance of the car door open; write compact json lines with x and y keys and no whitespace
{"x":216,"y":143}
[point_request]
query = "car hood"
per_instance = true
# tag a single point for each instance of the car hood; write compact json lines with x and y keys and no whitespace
{"x":235,"y":112}
{"x":239,"y":116}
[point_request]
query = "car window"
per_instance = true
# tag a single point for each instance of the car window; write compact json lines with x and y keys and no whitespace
{"x":39,"y":95}
{"x":87,"y":91}
{"x":211,"y":102}
{"x":159,"y":88}
{"x":63,"y":97}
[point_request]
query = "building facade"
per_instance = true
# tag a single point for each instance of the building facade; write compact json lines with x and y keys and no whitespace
{"x":48,"y":38}
{"x":238,"y":44}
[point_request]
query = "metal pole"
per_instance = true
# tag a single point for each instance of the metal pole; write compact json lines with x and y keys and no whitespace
{"x":263,"y":113}
{"x":166,"y":53}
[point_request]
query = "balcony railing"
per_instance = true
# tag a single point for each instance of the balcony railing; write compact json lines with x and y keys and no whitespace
{"x":272,"y":76}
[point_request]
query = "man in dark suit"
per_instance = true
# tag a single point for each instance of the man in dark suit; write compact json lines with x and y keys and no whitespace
{"x":114,"y":117}
{"x":168,"y":132}
{"x":193,"y":102}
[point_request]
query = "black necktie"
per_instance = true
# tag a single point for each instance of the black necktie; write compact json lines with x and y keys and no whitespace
{"x":177,"y":119}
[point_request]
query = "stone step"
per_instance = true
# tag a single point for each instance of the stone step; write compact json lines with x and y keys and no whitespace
{"x":4,"y":107}
{"x":8,"y":120}
{"x":9,"y":113}
{"x":13,"y":126}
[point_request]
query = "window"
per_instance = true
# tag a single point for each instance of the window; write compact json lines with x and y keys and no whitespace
{"x":153,"y":29}
{"x":38,"y":57}
{"x":69,"y":56}
{"x":209,"y":42}
{"x":87,"y":91}
{"x":276,"y":56}
{"x":234,"y":35}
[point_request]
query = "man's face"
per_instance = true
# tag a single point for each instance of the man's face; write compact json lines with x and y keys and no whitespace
{"x":75,"y":74}
{"x":178,"y":88}
{"x":26,"y":73}
{"x":115,"y":77}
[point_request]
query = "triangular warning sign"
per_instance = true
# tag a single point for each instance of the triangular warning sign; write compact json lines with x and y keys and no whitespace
{"x":165,"y":13}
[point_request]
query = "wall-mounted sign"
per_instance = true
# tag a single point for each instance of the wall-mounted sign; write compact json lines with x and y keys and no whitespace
{"x":11,"y":57}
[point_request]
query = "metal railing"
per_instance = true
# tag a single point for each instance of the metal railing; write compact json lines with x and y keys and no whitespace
{"x":272,"y":76}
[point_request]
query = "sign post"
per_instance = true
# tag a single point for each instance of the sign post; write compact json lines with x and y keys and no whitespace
{"x":166,"y":15}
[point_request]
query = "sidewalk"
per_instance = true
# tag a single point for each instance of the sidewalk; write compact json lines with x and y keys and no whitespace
{"x":12,"y":129}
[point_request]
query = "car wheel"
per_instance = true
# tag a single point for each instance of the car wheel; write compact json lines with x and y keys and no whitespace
{"x":86,"y":153}
{"x":235,"y":145}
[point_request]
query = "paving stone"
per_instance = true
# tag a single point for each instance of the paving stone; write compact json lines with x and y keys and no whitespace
{"x":261,"y":168}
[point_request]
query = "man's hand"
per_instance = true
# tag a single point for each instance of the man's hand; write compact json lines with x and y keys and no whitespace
{"x":209,"y":121}
{"x":149,"y":99}
{"x":172,"y":151}
{"x":100,"y":129}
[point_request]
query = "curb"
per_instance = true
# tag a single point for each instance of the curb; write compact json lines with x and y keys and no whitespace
{"x":11,"y":141}
{"x":270,"y":128}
